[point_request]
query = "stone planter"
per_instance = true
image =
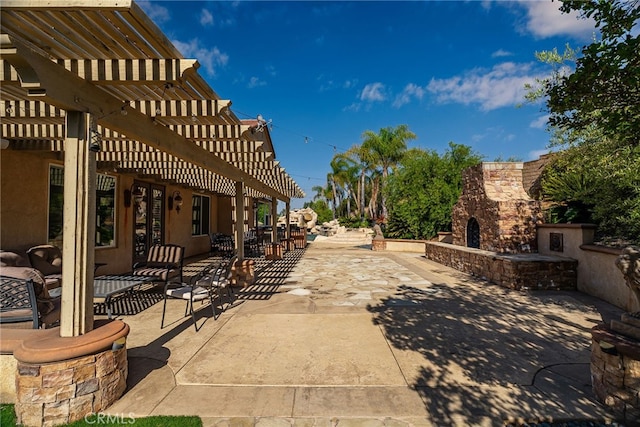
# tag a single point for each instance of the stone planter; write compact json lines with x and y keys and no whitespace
{"x":62,"y":379}
{"x":615,"y":373}
{"x":67,"y":391}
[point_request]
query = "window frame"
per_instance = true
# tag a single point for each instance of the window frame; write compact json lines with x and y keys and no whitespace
{"x":200,"y":215}
{"x":112,"y":207}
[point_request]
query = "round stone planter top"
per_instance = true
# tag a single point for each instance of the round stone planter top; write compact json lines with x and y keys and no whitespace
{"x":49,"y":349}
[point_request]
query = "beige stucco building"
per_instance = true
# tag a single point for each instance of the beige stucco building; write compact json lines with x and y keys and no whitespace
{"x":111,"y":141}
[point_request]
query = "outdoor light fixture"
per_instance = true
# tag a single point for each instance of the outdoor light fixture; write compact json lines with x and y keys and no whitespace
{"x":133,"y":191}
{"x":175,"y":200}
{"x":94,"y":144}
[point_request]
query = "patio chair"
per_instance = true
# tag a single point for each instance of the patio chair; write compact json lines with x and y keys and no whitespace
{"x":18,"y":304}
{"x":251,"y":246}
{"x":24,"y":302}
{"x":221,"y":244}
{"x":203,"y":286}
{"x":164,"y":262}
{"x":222,"y":279}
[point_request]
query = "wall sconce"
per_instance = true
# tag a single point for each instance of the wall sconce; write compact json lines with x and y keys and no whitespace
{"x":96,"y":138}
{"x":134,"y":191}
{"x":175,"y":199}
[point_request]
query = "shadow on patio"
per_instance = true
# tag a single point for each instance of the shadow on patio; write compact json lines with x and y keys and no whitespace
{"x":155,"y":348}
{"x":270,"y":275}
{"x":479,"y":350}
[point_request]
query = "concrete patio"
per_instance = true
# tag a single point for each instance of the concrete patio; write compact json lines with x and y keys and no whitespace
{"x":338,"y":334}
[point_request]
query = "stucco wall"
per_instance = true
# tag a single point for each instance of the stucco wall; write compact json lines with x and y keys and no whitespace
{"x":225,"y":215}
{"x":23,"y":199}
{"x":24,"y":193}
{"x":597,"y":273}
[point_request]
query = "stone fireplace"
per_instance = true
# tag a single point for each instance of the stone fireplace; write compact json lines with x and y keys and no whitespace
{"x":494,"y":212}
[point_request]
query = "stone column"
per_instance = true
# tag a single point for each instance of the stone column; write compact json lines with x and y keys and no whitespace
{"x":79,"y":224}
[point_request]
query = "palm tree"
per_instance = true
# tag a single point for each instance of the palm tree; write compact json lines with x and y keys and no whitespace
{"x":362,"y":156}
{"x":344,"y":176}
{"x":386,"y":149}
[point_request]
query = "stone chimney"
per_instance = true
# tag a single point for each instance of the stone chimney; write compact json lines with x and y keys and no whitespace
{"x":494,"y":212}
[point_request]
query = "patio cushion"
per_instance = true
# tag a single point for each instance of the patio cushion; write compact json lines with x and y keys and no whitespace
{"x":159,"y":273}
{"x":46,"y":258}
{"x":14,"y":259}
{"x":163,"y":262}
{"x":184,"y":292}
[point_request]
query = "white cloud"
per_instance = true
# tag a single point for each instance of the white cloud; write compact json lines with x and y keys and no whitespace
{"x":206,"y":18}
{"x":209,"y":58}
{"x":501,"y":53}
{"x":544,"y":19}
{"x":410,"y":91}
{"x":255,"y":82}
{"x":157,"y":13}
{"x":355,"y":107}
{"x":540,"y":122}
{"x":350,"y":83}
{"x":373,"y":92}
{"x":499,"y":87}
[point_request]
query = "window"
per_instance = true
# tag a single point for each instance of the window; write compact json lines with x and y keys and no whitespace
{"x":105,"y":208}
{"x":200,"y":215}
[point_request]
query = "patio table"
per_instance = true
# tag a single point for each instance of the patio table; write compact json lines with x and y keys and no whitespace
{"x":108,"y":286}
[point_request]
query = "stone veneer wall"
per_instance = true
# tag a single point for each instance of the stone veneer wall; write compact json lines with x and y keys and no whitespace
{"x":515,"y":271}
{"x":615,"y":376}
{"x":63,"y":392}
{"x":243,"y":273}
{"x":493,"y":194}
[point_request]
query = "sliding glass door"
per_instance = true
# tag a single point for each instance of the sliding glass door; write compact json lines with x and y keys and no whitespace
{"x":148,"y":208}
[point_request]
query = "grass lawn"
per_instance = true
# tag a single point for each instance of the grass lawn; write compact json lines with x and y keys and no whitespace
{"x":8,"y":419}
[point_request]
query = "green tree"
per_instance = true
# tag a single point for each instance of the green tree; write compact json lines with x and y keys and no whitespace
{"x":604,"y":89}
{"x":423,"y":189}
{"x":595,"y":121}
{"x":385,"y":149}
{"x":345,"y":178}
{"x":597,"y":181}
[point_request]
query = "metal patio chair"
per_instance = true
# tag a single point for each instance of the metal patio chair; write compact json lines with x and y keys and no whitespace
{"x":203,"y":286}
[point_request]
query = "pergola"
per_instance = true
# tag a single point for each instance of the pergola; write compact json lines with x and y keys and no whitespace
{"x":98,"y":81}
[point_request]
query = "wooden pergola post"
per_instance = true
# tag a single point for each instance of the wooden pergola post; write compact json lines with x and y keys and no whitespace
{"x":79,"y":225}
{"x":287,"y":233}
{"x":274,"y":220}
{"x":239,"y":237}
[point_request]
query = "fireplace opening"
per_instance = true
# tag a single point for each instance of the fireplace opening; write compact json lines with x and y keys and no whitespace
{"x":473,"y":233}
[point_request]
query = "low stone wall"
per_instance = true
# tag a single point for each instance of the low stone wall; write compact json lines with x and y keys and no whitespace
{"x":515,"y":271}
{"x":63,"y":392}
{"x":615,"y":373}
{"x":397,"y":245}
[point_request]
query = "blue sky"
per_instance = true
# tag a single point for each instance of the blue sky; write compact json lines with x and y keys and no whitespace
{"x":324,"y":72}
